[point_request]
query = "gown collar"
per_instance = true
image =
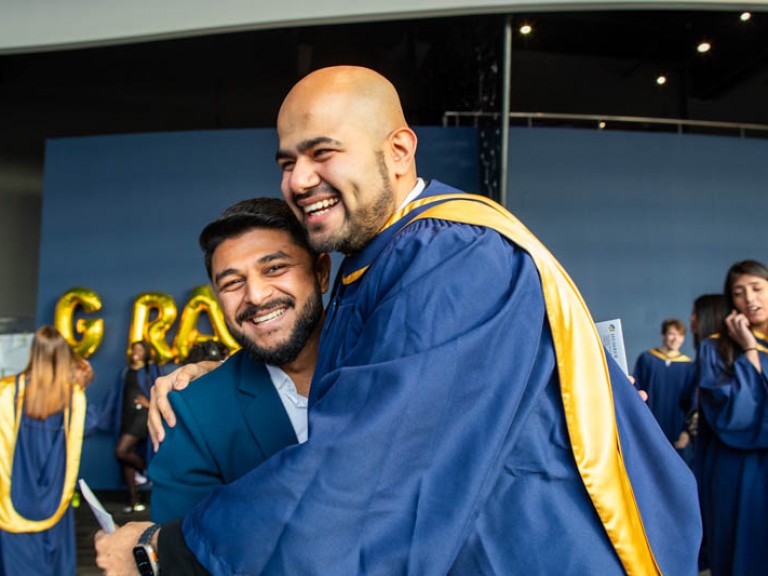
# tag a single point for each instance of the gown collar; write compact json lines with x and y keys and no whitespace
{"x":353,"y":267}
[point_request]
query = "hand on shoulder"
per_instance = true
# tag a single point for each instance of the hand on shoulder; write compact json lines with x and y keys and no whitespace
{"x":159,"y":406}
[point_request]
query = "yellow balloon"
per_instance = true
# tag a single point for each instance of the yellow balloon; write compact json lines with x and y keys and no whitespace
{"x":153,"y":331}
{"x":91,"y":329}
{"x":201,"y":301}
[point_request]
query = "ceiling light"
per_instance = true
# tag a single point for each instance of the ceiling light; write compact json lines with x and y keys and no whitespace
{"x":703,"y":47}
{"x":745,"y":16}
{"x":601,"y":125}
{"x":661,"y":80}
{"x":526,"y":29}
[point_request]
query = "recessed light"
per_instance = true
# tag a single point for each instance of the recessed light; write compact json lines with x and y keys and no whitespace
{"x":526,"y":29}
{"x":745,"y":16}
{"x":661,"y":80}
{"x":601,"y":125}
{"x":703,"y":47}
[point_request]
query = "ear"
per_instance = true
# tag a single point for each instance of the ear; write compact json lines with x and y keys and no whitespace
{"x":323,"y":271}
{"x":402,"y":150}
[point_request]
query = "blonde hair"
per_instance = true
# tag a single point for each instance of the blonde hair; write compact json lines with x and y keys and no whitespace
{"x":49,"y":374}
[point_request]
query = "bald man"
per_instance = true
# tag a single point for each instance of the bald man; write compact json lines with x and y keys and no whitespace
{"x":463,"y":416}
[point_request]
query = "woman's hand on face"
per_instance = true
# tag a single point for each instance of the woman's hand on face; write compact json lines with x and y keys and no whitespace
{"x":740,"y":330}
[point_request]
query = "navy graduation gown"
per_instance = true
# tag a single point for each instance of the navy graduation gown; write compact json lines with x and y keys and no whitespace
{"x":732,"y":461}
{"x":437,"y":440}
{"x":39,"y":466}
{"x":667,"y":382}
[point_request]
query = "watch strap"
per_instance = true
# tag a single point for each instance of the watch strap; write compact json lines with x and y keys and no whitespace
{"x":146,"y":536}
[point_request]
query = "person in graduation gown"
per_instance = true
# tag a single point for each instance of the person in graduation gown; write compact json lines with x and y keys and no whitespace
{"x":42,"y":422}
{"x":732,"y":448}
{"x":665,"y":374}
{"x":707,"y":317}
{"x":463,"y":417}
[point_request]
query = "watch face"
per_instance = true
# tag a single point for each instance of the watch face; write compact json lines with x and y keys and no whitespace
{"x":144,"y":561}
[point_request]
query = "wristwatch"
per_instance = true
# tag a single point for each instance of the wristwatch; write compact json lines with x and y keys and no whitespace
{"x":146,"y":556}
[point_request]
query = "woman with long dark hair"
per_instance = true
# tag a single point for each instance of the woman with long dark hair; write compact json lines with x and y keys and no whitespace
{"x":732,"y":454}
{"x":42,"y":422}
{"x":136,"y":379}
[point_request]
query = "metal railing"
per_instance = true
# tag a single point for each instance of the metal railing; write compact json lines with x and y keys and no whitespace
{"x":601,"y":122}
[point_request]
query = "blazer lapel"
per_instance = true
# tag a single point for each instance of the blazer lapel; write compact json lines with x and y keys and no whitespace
{"x":262,"y":409}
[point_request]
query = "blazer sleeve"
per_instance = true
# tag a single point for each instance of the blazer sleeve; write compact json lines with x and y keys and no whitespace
{"x":185,"y":470}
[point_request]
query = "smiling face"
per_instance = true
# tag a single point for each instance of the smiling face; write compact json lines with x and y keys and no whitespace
{"x":271,"y":293}
{"x":672,"y":339}
{"x":139,"y":354}
{"x":750,"y":297}
{"x":338,"y":187}
{"x":346,"y":156}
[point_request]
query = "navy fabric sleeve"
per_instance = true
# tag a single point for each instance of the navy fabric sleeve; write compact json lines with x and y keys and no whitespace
{"x":735,"y":405}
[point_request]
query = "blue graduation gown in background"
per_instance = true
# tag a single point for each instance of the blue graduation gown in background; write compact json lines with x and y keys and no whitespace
{"x":37,"y":479}
{"x":732,"y":461}
{"x":437,"y":442}
{"x":668,"y":386}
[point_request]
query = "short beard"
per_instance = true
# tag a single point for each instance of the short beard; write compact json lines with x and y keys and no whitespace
{"x":361,"y":227}
{"x":286,"y":352}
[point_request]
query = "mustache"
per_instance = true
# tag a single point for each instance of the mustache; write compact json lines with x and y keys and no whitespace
{"x":252,"y":310}
{"x":322,"y":188}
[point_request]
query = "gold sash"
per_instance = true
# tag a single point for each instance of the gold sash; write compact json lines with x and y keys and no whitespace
{"x":584,"y":379}
{"x":10,"y":420}
{"x":662,"y":356}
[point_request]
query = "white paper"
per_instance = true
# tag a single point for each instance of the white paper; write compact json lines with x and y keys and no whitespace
{"x":103,"y":517}
{"x":613,"y":340}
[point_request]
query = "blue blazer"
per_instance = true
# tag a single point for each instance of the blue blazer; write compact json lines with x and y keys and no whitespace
{"x":228,"y":422}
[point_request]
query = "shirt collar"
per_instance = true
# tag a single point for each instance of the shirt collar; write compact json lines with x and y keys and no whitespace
{"x":413,"y":194}
{"x":283,"y":382}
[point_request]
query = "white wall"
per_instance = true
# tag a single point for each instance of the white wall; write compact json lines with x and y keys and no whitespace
{"x":32,"y":25}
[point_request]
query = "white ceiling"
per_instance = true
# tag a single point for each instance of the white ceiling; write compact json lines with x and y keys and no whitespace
{"x":41,"y":25}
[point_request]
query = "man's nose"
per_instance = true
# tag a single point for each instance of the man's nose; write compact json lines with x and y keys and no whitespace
{"x":258,"y":291}
{"x":303,"y":176}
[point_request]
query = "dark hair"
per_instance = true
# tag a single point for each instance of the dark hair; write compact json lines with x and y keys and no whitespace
{"x":672,"y":323}
{"x":148,"y":359}
{"x":727,"y":346}
{"x":710,"y":311}
{"x":207,"y":350}
{"x":146,"y":346}
{"x":268,"y":213}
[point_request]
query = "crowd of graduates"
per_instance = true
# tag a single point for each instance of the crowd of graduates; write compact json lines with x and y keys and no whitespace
{"x":713,"y":409}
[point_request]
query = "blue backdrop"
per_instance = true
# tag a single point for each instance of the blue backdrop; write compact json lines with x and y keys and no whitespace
{"x":643,"y":222}
{"x":121,"y":216}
